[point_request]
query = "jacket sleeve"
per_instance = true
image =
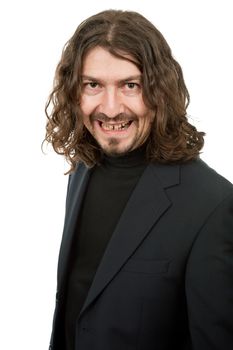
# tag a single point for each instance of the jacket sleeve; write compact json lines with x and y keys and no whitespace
{"x":209,"y":282}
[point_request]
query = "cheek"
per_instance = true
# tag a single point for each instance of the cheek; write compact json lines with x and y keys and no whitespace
{"x":139,"y":107}
{"x":87,"y":105}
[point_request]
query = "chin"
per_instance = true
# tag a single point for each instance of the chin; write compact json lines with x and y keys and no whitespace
{"x":116,"y":151}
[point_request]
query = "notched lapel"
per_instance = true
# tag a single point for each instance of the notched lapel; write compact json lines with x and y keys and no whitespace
{"x":146,"y":205}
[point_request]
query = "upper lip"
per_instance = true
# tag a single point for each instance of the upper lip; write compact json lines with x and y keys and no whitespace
{"x":114,"y":123}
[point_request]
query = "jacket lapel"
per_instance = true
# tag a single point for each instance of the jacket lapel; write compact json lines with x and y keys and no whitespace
{"x":76,"y":190}
{"x":145,"y":206}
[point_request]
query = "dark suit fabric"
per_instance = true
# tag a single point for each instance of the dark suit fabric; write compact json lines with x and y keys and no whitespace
{"x":166,"y":278}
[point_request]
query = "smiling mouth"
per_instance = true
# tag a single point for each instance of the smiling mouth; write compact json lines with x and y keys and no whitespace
{"x":116,"y":126}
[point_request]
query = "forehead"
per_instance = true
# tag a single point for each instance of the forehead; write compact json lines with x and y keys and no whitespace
{"x":102,"y":64}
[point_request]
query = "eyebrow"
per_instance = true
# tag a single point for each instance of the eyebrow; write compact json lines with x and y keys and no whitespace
{"x":129,"y":78}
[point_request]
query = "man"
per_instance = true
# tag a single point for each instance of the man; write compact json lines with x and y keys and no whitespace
{"x":146,"y":255}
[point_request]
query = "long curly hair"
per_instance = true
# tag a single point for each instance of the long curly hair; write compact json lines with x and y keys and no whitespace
{"x":172,"y":137}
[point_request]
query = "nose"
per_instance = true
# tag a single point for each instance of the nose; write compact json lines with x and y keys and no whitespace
{"x":111,"y":104}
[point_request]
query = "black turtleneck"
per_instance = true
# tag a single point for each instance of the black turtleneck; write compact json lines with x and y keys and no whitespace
{"x":109,"y":189}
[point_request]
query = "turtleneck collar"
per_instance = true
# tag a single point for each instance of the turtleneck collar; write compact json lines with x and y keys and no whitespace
{"x":131,"y":159}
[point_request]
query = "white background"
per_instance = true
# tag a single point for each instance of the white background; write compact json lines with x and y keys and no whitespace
{"x":33,"y":185}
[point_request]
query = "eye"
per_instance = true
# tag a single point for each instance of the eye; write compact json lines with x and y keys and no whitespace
{"x":92,"y":84}
{"x":131,"y":88}
{"x":132,"y":85}
{"x":91,"y":87}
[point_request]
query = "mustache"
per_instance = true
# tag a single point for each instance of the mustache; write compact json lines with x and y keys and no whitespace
{"x":119,"y":118}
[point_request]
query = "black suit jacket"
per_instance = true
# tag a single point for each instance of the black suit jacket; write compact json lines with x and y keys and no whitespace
{"x":166,"y":278}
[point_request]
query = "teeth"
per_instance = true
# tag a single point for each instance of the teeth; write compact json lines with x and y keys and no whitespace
{"x":115,"y":127}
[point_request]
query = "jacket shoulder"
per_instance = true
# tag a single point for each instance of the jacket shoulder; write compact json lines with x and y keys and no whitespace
{"x":202,"y":178}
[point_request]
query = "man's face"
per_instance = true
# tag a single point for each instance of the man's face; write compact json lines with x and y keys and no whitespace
{"x":112,"y":104}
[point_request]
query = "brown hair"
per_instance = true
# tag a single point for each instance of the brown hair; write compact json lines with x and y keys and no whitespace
{"x":172,"y":137}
